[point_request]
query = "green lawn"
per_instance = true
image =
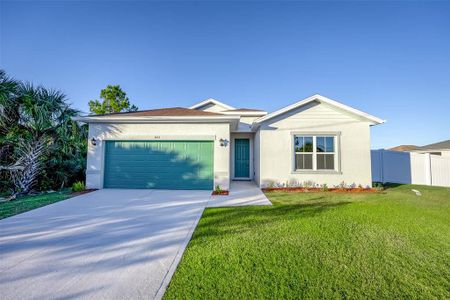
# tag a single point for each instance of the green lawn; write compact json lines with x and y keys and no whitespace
{"x":23,"y":204}
{"x":392,"y":244}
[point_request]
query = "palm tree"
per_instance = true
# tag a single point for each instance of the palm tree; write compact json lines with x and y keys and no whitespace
{"x":39,"y":135}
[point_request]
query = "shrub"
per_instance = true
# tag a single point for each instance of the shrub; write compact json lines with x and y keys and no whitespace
{"x":378,"y":185}
{"x":218,"y":189}
{"x":78,"y":186}
{"x":324,"y":187}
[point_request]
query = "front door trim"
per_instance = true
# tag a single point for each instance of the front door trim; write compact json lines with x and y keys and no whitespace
{"x":245,"y":143}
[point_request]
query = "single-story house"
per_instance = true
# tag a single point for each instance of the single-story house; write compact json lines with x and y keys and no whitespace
{"x":439,"y":148}
{"x":316,"y":140}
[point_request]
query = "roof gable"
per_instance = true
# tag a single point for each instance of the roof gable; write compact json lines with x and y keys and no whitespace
{"x":321,"y":99}
{"x":209,"y":103}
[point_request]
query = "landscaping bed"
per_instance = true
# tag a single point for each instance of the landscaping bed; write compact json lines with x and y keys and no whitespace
{"x":73,"y":194}
{"x":220,"y":193}
{"x":320,"y":190}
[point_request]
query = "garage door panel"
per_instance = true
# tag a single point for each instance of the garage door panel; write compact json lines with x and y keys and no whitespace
{"x":159,"y":164}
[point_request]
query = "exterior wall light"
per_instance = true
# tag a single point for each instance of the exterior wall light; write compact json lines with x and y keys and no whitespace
{"x":93,"y":142}
{"x":223,"y":142}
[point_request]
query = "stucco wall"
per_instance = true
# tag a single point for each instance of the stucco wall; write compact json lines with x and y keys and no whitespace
{"x":102,"y":132}
{"x":245,"y":123}
{"x":277,"y":154}
{"x":257,"y":157}
{"x":211,"y":107}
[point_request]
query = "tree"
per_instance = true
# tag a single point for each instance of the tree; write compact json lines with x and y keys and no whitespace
{"x":114,"y":100}
{"x":40,"y":144}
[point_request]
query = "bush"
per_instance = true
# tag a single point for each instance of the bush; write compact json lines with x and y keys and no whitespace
{"x":218,"y":189}
{"x":78,"y":186}
{"x":378,"y":185}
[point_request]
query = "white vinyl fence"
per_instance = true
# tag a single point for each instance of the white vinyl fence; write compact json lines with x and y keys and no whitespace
{"x":406,"y":167}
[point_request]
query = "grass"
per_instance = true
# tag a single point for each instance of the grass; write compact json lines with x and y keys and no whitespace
{"x":26,"y":203}
{"x":392,"y":244}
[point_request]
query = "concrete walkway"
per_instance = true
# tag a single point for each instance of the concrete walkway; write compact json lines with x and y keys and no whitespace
{"x":109,"y":244}
{"x":241,"y":193}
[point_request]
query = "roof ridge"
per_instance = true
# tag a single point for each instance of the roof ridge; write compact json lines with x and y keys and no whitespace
{"x":165,"y":112}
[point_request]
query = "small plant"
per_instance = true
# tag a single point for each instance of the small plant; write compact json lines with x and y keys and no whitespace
{"x":218,"y":189}
{"x":293,"y":183}
{"x":78,"y":186}
{"x":379,"y":186}
{"x":308,"y":184}
{"x":271,"y":184}
{"x":342,"y":185}
{"x":324,"y":187}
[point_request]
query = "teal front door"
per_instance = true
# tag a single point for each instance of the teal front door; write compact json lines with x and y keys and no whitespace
{"x":241,"y":158}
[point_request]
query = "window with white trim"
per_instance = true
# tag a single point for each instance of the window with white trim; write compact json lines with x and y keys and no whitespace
{"x":314,"y":152}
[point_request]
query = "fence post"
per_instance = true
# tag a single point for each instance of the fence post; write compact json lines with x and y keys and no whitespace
{"x":428,"y":175}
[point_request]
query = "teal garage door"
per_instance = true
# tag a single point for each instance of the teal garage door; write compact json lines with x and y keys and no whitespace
{"x":174,"y":165}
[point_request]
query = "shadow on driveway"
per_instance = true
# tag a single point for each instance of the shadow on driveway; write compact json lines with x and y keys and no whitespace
{"x":114,"y":244}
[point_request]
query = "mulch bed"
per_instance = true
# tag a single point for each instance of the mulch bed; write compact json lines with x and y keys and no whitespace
{"x":73,"y":194}
{"x":221,"y":193}
{"x":316,"y":190}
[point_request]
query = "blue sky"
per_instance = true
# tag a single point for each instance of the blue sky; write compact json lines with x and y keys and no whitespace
{"x":390,"y":59}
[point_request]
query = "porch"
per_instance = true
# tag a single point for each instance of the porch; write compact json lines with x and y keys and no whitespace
{"x":242,"y":193}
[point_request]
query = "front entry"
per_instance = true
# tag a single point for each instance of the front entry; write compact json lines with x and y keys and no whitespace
{"x":242,"y":158}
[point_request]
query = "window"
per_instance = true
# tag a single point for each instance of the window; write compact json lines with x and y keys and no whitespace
{"x":315,"y":152}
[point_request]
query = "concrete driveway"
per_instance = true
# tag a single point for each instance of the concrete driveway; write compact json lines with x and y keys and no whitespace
{"x":109,"y":244}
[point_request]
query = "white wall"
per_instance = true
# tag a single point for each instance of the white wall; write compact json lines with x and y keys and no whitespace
{"x":257,"y":157}
{"x":445,"y":153}
{"x":276,"y":149}
{"x":211,"y":107}
{"x":102,"y":132}
{"x":410,"y":168}
{"x":245,"y":123}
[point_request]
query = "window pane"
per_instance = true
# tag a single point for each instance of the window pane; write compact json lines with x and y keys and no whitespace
{"x":308,"y":160}
{"x":329,"y":144}
{"x":298,"y":143}
{"x":320,"y":143}
{"x":329,"y":161}
{"x":325,"y":161}
{"x":298,"y":161}
{"x":320,"y":161}
{"x":303,"y":161}
{"x":308,"y":144}
{"x":303,"y":143}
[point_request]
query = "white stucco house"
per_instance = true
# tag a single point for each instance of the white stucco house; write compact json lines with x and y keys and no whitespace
{"x":211,"y":143}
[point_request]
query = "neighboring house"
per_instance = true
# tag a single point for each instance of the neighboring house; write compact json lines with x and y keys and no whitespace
{"x":211,"y":143}
{"x":440,"y":148}
{"x":404,"y":148}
